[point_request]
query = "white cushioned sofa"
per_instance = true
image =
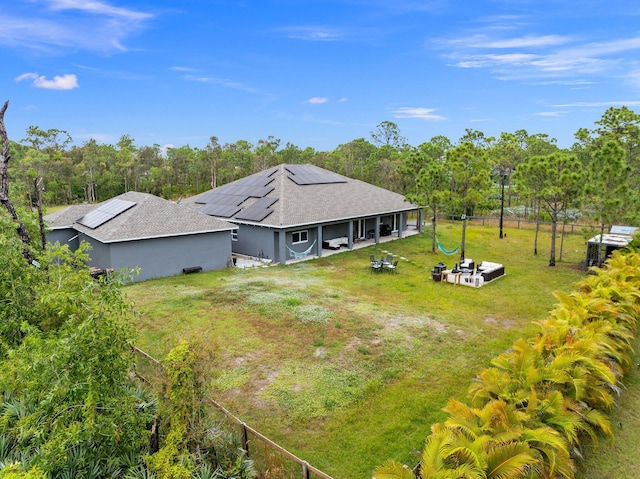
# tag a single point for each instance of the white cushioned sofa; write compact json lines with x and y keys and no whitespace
{"x":490,"y":271}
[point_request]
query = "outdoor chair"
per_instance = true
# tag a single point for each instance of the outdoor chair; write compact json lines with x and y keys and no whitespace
{"x":376,"y":266}
{"x":389,"y":258}
{"x":393,"y":268}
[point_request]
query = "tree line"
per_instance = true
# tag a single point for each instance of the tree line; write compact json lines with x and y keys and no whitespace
{"x":598,"y":176}
{"x":94,"y":172}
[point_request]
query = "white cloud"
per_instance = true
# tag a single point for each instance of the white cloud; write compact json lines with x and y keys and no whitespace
{"x":484,"y":61}
{"x":182,"y":69}
{"x":313,"y":33}
{"x":417,"y":112}
{"x":551,"y":114}
{"x":98,"y":8}
{"x":598,"y":104}
{"x":527,"y":41}
{"x":60,"y":82}
{"x":317,"y":100}
{"x":537,"y":56}
{"x":576,"y":83}
{"x":224,"y":82}
{"x":343,"y":100}
{"x":56,"y":25}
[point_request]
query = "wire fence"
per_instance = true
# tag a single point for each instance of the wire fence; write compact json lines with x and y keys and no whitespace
{"x":522,"y":223}
{"x":270,"y":460}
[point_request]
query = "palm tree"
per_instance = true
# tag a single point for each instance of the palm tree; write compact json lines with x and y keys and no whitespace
{"x":496,"y":438}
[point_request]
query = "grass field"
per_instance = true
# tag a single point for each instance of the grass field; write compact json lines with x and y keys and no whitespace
{"x":346,"y":368}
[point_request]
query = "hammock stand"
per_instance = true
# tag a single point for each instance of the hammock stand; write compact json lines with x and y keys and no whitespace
{"x":446,"y":251}
{"x":303,"y":254}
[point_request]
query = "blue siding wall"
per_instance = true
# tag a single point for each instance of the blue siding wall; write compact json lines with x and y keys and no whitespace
{"x":157,"y":257}
{"x":254,"y":241}
{"x":63,"y":236}
{"x":167,"y":256}
{"x":100,"y":254}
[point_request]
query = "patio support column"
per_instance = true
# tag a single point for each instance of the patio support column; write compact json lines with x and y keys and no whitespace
{"x":319,"y":243}
{"x":377,"y":230}
{"x":282,"y":242}
{"x":350,"y":237}
{"x":419,"y":220}
{"x":400,"y":223}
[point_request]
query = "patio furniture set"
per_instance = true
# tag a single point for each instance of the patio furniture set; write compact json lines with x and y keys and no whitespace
{"x":468,"y":274}
{"x":383,"y":264}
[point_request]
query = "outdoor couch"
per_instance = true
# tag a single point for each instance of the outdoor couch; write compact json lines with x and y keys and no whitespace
{"x":490,"y":271}
{"x":335,"y":243}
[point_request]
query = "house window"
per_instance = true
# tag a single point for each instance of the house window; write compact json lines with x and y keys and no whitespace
{"x":234,"y":235}
{"x":300,"y":236}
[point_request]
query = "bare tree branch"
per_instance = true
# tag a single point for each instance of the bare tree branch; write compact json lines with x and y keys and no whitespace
{"x":5,"y":155}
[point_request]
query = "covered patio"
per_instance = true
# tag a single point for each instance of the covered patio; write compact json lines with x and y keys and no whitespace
{"x":244,"y":261}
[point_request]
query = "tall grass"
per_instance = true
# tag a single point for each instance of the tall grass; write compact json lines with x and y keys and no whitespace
{"x":346,"y":368}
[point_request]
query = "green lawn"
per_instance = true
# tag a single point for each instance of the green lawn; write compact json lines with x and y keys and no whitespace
{"x":345,"y":368}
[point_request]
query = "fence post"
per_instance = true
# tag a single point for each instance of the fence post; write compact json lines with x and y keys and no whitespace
{"x":305,"y":470}
{"x":245,"y":438}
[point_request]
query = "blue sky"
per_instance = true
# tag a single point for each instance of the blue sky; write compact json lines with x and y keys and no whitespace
{"x":315,"y":73}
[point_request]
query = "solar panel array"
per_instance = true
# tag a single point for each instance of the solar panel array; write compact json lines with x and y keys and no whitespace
{"x":254,"y":214}
{"x":263,"y":202}
{"x":215,"y":198}
{"x":105,"y":212}
{"x":311,"y":175}
{"x":224,"y":211}
{"x":226,"y":201}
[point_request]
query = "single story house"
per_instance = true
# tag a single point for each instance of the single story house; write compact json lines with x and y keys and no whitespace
{"x":139,"y":230}
{"x":292,"y":211}
{"x":618,"y":237}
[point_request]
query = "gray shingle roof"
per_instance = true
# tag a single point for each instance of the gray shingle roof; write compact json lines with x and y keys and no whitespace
{"x":304,"y":204}
{"x":151,"y":217}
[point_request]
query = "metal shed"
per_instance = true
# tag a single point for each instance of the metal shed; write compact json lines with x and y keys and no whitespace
{"x":618,"y":237}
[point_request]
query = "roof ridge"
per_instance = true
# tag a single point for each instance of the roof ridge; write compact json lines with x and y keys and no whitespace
{"x":283,"y":176}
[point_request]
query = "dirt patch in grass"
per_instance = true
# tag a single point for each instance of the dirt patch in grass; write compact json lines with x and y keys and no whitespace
{"x":501,"y":323}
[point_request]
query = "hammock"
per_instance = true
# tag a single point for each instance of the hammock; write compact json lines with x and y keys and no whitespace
{"x":446,"y":251}
{"x":303,"y":254}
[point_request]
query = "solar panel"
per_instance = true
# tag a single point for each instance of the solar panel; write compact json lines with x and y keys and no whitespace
{"x":204,"y":197}
{"x":255,"y":181}
{"x":263,"y":202}
{"x":270,"y":171}
{"x":105,"y":212}
{"x":254,"y":214}
{"x":223,"y":211}
{"x":223,"y":200}
{"x":303,"y":169}
{"x":311,"y":175}
{"x":95,"y":218}
{"x":223,"y":190}
{"x":298,"y":179}
{"x":253,"y":191}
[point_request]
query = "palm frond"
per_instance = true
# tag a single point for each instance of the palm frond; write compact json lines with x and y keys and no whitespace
{"x":393,"y":470}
